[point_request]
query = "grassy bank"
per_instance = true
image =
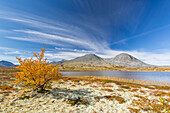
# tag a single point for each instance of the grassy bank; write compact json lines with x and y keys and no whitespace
{"x":128,"y":82}
{"x":114,"y":69}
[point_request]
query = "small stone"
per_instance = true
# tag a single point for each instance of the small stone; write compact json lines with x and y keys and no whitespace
{"x":53,"y":101}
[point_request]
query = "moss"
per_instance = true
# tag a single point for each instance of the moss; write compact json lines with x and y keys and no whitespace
{"x":133,"y":90}
{"x":107,"y":86}
{"x":109,"y":90}
{"x":24,"y":97}
{"x":157,"y":106}
{"x":125,"y":87}
{"x":6,"y":87}
{"x":5,"y":92}
{"x":118,"y":98}
{"x":12,"y":103}
{"x":97,"y":99}
{"x":43,"y":91}
{"x":142,"y":91}
{"x":121,"y":90}
{"x":93,"y":86}
{"x":134,"y":110}
{"x":77,"y":101}
{"x":107,"y":81}
{"x":75,"y":80}
{"x":73,"y":85}
{"x":60,"y":82}
{"x":162,"y":87}
{"x":48,"y":86}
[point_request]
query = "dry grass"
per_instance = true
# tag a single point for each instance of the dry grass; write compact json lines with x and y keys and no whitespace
{"x":121,"y":90}
{"x":93,"y":86}
{"x":109,"y":90}
{"x":117,"y":68}
{"x":151,"y":105}
{"x":160,"y":93}
{"x":117,"y":81}
{"x":5,"y":87}
{"x":142,"y":91}
{"x":97,"y":99}
{"x":5,"y":92}
{"x":134,"y":110}
{"x":77,"y":101}
{"x":133,"y":90}
{"x":118,"y":98}
{"x":125,"y":87}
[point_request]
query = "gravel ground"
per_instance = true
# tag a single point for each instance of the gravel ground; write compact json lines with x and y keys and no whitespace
{"x":74,"y":97}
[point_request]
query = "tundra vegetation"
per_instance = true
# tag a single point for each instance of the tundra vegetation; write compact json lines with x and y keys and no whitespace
{"x":148,"y":98}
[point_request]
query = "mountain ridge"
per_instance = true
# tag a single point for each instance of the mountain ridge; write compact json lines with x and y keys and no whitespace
{"x":92,"y":60}
{"x":4,"y":63}
{"x":88,"y":58}
{"x":87,"y":61}
{"x":127,"y":60}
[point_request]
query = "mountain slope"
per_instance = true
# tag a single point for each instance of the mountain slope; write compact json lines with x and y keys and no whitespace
{"x":87,"y":61}
{"x":127,"y":60}
{"x":6,"y":64}
{"x":88,"y":58}
{"x":59,"y":62}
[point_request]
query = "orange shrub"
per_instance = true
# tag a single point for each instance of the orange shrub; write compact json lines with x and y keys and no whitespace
{"x":36,"y":73}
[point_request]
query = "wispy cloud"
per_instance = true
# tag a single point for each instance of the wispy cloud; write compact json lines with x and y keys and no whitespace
{"x":87,"y":39}
{"x":53,"y":37}
{"x":140,"y":35}
{"x":13,"y":52}
{"x":37,"y":40}
{"x":55,"y":31}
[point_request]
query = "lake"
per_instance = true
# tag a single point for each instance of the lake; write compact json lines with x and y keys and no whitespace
{"x":138,"y":75}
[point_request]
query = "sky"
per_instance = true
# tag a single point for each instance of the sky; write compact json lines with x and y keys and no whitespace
{"x":72,"y":28}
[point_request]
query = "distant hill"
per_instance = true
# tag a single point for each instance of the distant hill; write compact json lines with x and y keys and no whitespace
{"x":127,"y":60}
{"x":59,"y":62}
{"x":88,"y":58}
{"x":4,"y":63}
{"x":87,"y":61}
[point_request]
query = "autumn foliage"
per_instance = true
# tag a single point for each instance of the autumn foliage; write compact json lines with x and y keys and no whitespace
{"x":36,"y":73}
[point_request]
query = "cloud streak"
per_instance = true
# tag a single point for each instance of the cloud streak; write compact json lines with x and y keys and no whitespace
{"x":52,"y":37}
{"x":139,"y":35}
{"x":52,"y":33}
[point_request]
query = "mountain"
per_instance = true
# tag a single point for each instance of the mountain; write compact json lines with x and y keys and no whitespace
{"x":127,"y":60}
{"x":4,"y":63}
{"x":87,"y":61}
{"x":88,"y":58}
{"x":94,"y":61}
{"x":59,"y":62}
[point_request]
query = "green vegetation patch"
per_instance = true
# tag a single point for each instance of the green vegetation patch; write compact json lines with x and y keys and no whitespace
{"x":43,"y":91}
{"x":24,"y":97}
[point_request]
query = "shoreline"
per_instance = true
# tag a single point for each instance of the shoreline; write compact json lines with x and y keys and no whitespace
{"x":108,"y":70}
{"x":140,"y":70}
{"x":124,"y":81}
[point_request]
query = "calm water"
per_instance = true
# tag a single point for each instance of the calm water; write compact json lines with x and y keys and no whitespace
{"x":154,"y":76}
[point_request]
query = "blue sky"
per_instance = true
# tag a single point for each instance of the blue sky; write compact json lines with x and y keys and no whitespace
{"x":71,"y":28}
